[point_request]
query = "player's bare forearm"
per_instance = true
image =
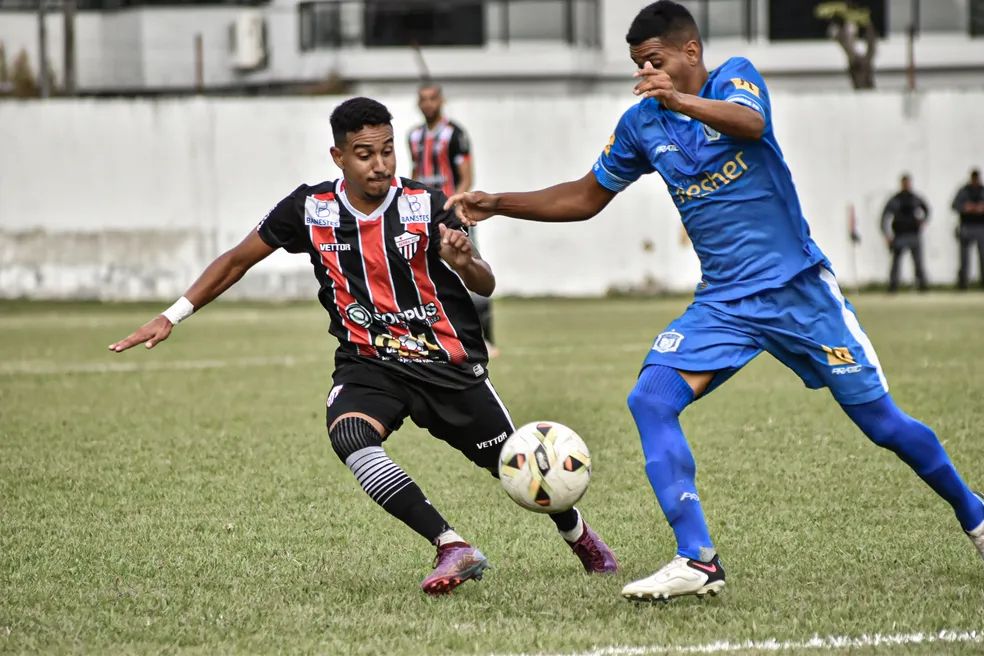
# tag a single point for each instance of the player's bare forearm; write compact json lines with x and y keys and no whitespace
{"x":226,"y":270}
{"x":728,"y":118}
{"x":477,"y":276}
{"x":579,"y":200}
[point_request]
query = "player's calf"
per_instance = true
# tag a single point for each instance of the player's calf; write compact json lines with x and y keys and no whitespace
{"x":917,"y":445}
{"x":360,"y":446}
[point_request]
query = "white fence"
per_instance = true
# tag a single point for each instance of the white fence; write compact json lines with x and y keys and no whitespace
{"x":131,"y":199}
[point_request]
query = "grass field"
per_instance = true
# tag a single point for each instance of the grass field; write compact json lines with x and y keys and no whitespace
{"x":186,"y":500}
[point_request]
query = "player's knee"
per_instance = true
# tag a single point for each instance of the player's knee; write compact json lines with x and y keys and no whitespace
{"x":349,"y":435}
{"x":660,"y":393}
{"x":886,"y":425}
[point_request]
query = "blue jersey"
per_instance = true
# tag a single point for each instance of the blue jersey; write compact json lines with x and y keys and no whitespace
{"x":736,"y":197}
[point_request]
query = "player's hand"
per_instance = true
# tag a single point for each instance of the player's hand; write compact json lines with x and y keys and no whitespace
{"x":152,"y":332}
{"x":472,"y":206}
{"x":657,"y":84}
{"x":456,"y":247}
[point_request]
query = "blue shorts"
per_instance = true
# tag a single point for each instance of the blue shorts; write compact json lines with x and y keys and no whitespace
{"x":807,"y":325}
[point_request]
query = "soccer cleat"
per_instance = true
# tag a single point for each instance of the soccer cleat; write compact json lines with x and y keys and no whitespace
{"x":680,"y":577}
{"x":456,"y":563}
{"x":977,"y":535}
{"x":596,"y":556}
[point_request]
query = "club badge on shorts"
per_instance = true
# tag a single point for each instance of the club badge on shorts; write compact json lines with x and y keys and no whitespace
{"x":668,"y":342}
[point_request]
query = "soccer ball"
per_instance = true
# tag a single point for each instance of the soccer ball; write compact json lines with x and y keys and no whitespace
{"x":545,"y":467}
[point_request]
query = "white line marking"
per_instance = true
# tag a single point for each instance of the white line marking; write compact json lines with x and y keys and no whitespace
{"x":829,"y":643}
{"x":51,"y":368}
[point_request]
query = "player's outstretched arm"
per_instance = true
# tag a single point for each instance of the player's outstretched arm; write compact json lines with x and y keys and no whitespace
{"x":219,"y":276}
{"x":462,"y":256}
{"x":579,"y":200}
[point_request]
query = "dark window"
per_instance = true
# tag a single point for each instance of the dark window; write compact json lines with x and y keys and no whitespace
{"x":434,"y":23}
{"x":794,"y":20}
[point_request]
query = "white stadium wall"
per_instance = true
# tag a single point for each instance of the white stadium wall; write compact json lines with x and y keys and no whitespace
{"x":131,"y":199}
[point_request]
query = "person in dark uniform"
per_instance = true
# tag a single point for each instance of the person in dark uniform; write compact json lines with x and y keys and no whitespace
{"x":969,"y":204}
{"x":902,"y":223}
{"x":442,"y":158}
{"x":395,"y":271}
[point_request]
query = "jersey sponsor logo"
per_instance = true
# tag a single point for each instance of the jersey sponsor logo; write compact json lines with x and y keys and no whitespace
{"x":843,"y":371}
{"x":745,"y":85}
{"x":838,"y":355}
{"x":407,"y":346}
{"x":667,"y":342}
{"x":407,"y":243}
{"x":498,"y":439}
{"x":608,"y":147}
{"x":713,"y":180}
{"x":333,"y":394}
{"x":414,"y":207}
{"x":426,"y":314}
{"x":334,"y":248}
{"x":322,"y":210}
{"x":667,"y":148}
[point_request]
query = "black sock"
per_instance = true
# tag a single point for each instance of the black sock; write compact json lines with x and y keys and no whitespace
{"x":391,"y":488}
{"x":566,"y":520}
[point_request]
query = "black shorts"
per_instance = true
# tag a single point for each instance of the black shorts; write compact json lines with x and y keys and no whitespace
{"x":473,"y":420}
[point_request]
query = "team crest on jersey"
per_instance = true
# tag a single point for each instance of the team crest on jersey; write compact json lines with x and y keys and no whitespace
{"x":415,"y":207}
{"x":711,"y":133}
{"x":407,"y":243}
{"x":321,"y":210}
{"x":668,"y":342}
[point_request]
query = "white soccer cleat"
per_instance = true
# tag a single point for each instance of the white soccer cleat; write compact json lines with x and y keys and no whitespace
{"x":680,"y":577}
{"x":977,"y":535}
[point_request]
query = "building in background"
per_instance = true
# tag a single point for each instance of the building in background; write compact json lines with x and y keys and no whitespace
{"x":472,"y":46}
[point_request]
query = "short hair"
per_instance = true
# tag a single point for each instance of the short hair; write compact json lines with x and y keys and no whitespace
{"x":427,"y":84}
{"x":355,"y":114}
{"x":664,"y":19}
{"x":975,"y":173}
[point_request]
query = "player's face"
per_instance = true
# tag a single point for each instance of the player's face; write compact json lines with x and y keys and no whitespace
{"x":429,"y":101}
{"x":368,"y":160}
{"x":975,"y":180}
{"x":680,"y":61}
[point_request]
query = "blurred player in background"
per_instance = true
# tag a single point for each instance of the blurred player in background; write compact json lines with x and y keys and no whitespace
{"x":903,"y":220}
{"x":442,"y":158}
{"x":969,"y":204}
{"x":766,"y":286}
{"x":409,"y":340}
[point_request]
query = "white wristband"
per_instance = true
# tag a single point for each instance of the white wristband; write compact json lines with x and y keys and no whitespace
{"x":180,"y":311}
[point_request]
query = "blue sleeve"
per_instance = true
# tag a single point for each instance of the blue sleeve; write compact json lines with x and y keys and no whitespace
{"x":622,"y":162}
{"x":739,"y":82}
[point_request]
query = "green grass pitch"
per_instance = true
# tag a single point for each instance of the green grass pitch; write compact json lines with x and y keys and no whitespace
{"x":186,"y":500}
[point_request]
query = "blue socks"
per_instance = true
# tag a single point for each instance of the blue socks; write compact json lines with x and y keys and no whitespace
{"x":657,"y":400}
{"x":917,"y":446}
{"x":661,"y":394}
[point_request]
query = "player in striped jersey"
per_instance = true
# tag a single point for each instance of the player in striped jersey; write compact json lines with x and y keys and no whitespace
{"x":395,"y":271}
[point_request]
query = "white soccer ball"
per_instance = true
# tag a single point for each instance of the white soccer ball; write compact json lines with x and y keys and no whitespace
{"x":545,"y":467}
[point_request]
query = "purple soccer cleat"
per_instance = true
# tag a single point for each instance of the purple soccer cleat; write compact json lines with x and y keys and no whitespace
{"x":596,"y":556}
{"x":456,"y":563}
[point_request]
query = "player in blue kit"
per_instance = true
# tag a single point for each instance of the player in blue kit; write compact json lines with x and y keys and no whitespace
{"x":765,"y":286}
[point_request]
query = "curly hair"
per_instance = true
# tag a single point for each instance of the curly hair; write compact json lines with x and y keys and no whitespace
{"x":355,"y":114}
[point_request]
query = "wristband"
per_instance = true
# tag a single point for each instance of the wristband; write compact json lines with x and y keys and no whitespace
{"x":180,"y":311}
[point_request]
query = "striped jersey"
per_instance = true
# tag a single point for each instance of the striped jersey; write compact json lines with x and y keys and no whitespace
{"x":438,"y":153}
{"x":392,"y":299}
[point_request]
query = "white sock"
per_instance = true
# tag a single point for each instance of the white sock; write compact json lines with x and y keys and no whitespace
{"x":575,"y":533}
{"x":448,"y":537}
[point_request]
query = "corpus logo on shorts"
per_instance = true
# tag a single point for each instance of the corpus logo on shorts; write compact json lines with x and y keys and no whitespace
{"x":668,"y":342}
{"x":333,"y":394}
